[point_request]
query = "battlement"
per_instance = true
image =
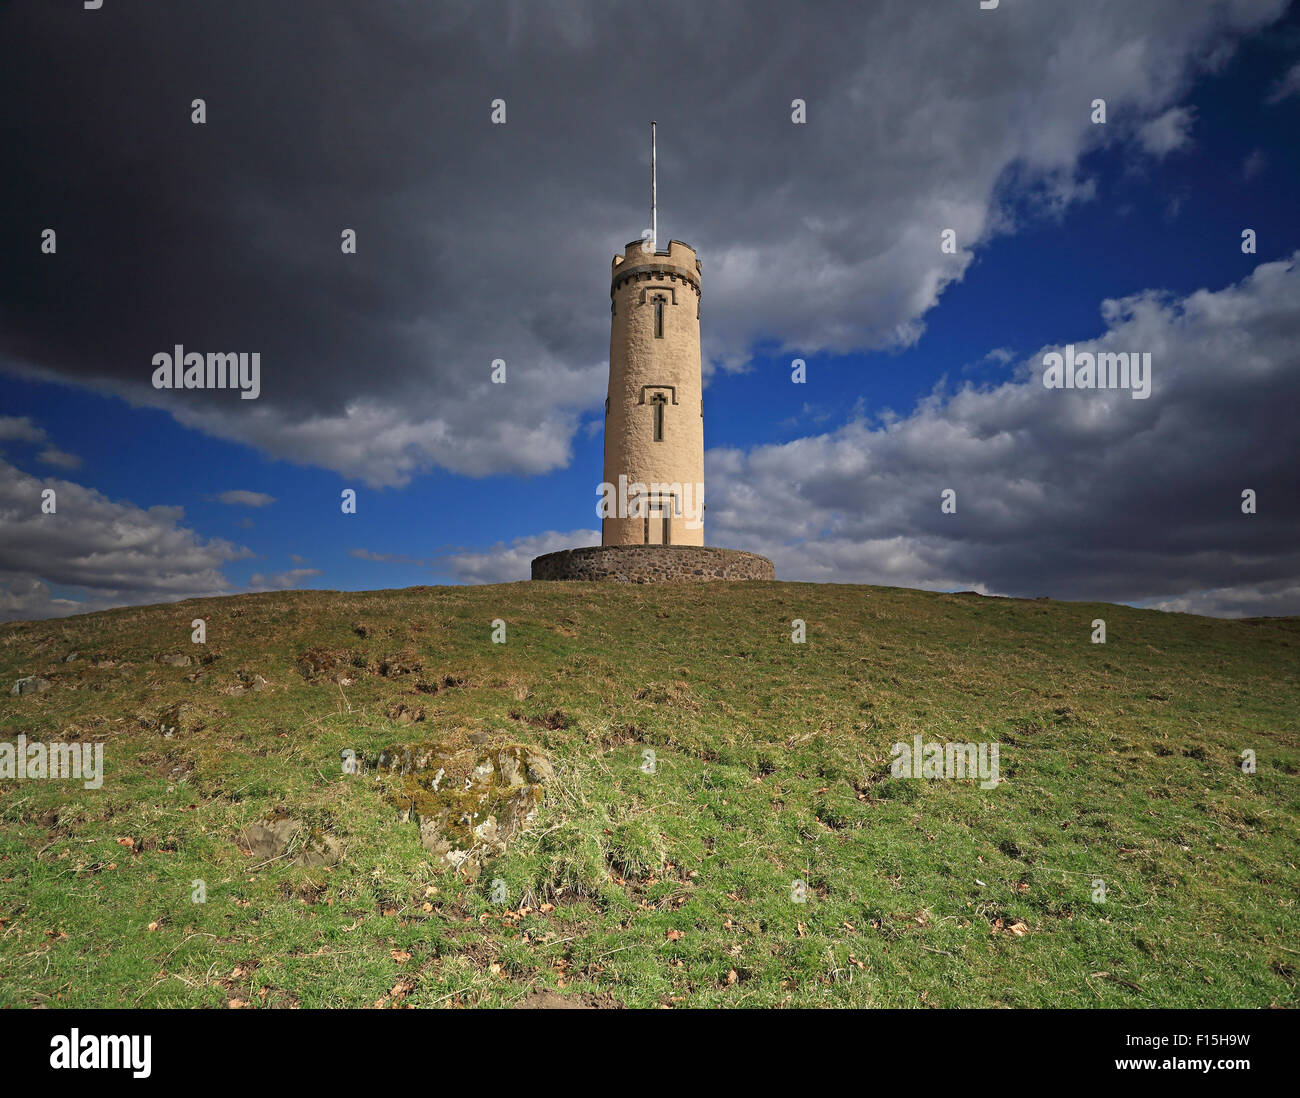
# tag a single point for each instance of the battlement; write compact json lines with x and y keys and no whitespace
{"x":677,"y":254}
{"x":678,"y":262}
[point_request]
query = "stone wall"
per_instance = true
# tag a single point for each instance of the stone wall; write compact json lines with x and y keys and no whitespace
{"x":652,"y":564}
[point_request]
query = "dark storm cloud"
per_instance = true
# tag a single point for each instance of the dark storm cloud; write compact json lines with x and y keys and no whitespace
{"x":479,"y":242}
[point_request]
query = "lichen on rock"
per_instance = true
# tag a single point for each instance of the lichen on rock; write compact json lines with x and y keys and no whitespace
{"x":469,"y":803}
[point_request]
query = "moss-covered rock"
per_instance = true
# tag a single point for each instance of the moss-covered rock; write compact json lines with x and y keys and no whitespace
{"x":469,"y":803}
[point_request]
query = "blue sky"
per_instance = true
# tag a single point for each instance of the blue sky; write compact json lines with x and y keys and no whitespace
{"x":1136,"y":217}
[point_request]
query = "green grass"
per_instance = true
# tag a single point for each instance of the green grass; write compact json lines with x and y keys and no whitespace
{"x":1119,"y":761}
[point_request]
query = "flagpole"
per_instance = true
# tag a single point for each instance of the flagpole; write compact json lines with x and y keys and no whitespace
{"x":654,"y":195}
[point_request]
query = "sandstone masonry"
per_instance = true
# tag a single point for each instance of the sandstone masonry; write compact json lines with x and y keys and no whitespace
{"x":654,"y":412}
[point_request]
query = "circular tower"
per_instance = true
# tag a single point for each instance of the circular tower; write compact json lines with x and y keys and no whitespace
{"x":654,"y":415}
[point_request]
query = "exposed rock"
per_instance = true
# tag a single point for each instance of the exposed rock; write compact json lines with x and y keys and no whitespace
{"x":468,"y":805}
{"x":539,"y":767}
{"x":172,"y":720}
{"x":402,"y":663}
{"x":553,"y":1000}
{"x":175,"y":659}
{"x":320,"y":850}
{"x":431,"y":837}
{"x":247,"y":681}
{"x":512,"y":771}
{"x":318,"y":664}
{"x":517,"y":811}
{"x":486,"y":833}
{"x":268,"y":838}
{"x":71,"y":657}
{"x":273,"y":838}
{"x":32,"y":684}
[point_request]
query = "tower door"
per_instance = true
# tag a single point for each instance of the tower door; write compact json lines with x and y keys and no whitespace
{"x":658,"y":523}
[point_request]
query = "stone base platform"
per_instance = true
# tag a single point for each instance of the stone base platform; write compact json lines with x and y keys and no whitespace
{"x":652,"y":564}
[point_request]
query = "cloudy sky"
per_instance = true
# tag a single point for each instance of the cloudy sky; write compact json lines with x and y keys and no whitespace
{"x":820,"y":241}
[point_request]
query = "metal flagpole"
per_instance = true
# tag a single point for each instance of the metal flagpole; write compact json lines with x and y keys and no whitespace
{"x":654,"y":195}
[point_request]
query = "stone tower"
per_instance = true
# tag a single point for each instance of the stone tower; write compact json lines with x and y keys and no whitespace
{"x":654,"y":416}
{"x":652,"y":500}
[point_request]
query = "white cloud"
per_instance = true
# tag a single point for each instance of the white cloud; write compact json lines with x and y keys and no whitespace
{"x":386,"y":558}
{"x":1167,"y":132}
{"x":23,"y":598}
{"x":281,"y":581}
{"x":113,"y":552}
{"x":502,"y":563}
{"x":60,"y":459}
{"x":1280,"y":597}
{"x":240,"y":497}
{"x":20,"y":429}
{"x":1073,"y":494}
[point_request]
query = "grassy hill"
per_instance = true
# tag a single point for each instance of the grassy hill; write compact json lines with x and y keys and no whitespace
{"x":1119,"y":762}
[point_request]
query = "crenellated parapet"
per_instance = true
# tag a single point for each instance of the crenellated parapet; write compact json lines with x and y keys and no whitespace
{"x":678,"y":265}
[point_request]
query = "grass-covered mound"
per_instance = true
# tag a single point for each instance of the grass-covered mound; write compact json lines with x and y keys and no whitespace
{"x":670,"y":878}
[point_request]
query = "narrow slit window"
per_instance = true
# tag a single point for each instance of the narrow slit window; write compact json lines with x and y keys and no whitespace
{"x":658,"y":402}
{"x":659,"y":318}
